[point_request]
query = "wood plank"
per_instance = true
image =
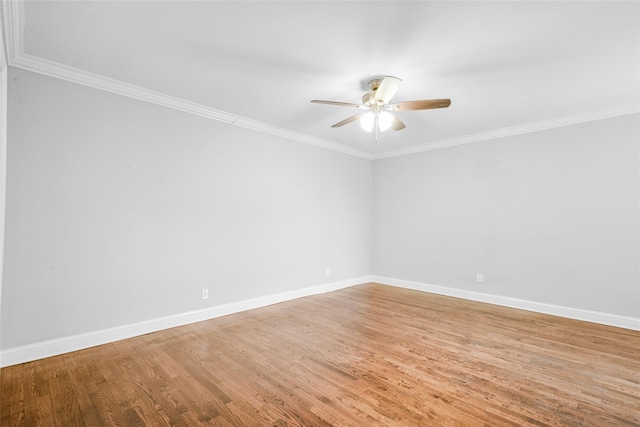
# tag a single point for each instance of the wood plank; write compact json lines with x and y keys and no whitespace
{"x":369,"y":355}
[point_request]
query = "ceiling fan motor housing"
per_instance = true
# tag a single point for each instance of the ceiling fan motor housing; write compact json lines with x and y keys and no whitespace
{"x":369,"y":101}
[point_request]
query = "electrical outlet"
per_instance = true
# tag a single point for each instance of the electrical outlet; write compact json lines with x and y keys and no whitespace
{"x":327,"y":272}
{"x":205,"y":293}
{"x":479,"y":278}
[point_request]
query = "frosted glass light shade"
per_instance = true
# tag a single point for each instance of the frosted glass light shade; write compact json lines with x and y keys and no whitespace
{"x":367,"y":121}
{"x":384,"y":121}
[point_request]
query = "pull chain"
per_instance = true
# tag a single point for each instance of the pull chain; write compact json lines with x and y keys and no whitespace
{"x":376,"y":126}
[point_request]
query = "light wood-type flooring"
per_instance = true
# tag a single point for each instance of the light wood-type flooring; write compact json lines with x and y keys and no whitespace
{"x":369,"y":355}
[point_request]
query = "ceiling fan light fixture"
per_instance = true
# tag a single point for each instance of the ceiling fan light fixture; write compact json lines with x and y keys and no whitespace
{"x":367,"y":121}
{"x":384,"y":121}
{"x":377,"y":103}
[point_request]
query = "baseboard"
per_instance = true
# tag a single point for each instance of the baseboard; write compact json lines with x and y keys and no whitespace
{"x":43,"y":349}
{"x":609,"y":319}
{"x":54,"y":347}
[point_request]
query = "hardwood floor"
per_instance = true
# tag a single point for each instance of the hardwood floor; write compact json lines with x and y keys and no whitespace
{"x":369,"y":355}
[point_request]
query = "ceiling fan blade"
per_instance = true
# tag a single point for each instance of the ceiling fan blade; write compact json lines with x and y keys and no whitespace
{"x":342,"y":104}
{"x":424,"y":104}
{"x":396,"y":124}
{"x":387,"y":89}
{"x":347,"y":121}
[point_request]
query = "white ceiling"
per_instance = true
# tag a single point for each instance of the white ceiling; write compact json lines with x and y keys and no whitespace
{"x":504,"y":64}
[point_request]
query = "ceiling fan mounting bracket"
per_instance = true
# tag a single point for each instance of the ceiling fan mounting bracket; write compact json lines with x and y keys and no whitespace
{"x":374,"y":84}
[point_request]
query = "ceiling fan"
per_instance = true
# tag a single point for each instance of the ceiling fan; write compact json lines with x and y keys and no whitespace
{"x":377,"y":106}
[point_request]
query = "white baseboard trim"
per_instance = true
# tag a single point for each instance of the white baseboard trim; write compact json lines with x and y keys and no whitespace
{"x":54,"y":347}
{"x":609,"y":319}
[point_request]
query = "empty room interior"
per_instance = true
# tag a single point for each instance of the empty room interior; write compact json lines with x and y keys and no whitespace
{"x":320,"y":213}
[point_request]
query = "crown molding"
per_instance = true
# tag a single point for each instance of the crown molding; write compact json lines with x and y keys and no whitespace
{"x":588,"y":116}
{"x":3,"y":51}
{"x":13,"y":20}
{"x":13,"y":23}
{"x":96,"y":81}
{"x":74,"y":75}
{"x":301,"y":137}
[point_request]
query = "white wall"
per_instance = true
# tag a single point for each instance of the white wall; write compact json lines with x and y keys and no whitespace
{"x":119,"y":211}
{"x":550,"y":217}
{"x":3,"y":153}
